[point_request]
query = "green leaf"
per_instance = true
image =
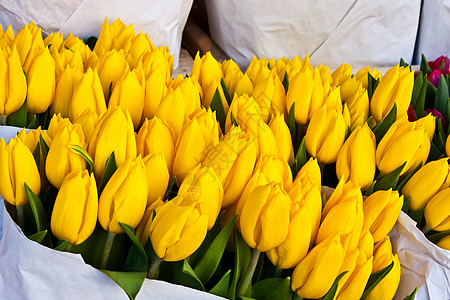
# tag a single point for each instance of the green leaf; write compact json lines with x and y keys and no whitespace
{"x":440,"y":101}
{"x":447,"y":112}
{"x":332,"y":291}
{"x":404,"y":181}
{"x":62,"y":244}
{"x":44,"y":148}
{"x":83,"y":153}
{"x":233,"y":120}
{"x":435,"y":238}
{"x":292,"y":124}
{"x":435,"y":153}
{"x":419,"y":103}
{"x":418,"y":82}
{"x":372,"y":85}
{"x":67,"y":47}
{"x":210,"y":261}
{"x":272,"y":289}
{"x":37,"y":154}
{"x":109,"y":91}
{"x":40,"y":217}
{"x":430,"y":95}
{"x":301,"y":158}
{"x":381,"y":128}
{"x":417,"y":215}
{"x":170,"y":193}
{"x":242,"y":254}
{"x":221,"y":288}
{"x":390,"y":180}
{"x":424,"y":67}
{"x":38,"y":237}
{"x":406,"y":203}
{"x":225,"y":91}
{"x":369,"y":190}
{"x":33,"y":123}
{"x":137,"y":258}
{"x":404,"y":64}
{"x":441,"y":136}
{"x":110,"y":168}
{"x":375,"y":278}
{"x":412,"y":295}
{"x":286,"y":82}
{"x":130,"y":282}
{"x":184,"y":274}
{"x":217,"y":106}
{"x":19,"y":117}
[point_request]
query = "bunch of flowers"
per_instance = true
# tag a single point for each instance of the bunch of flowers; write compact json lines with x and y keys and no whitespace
{"x":215,"y":180}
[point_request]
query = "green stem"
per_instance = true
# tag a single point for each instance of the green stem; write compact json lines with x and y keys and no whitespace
{"x":154,"y":268}
{"x":20,"y":210}
{"x":106,"y":250}
{"x":68,"y":248}
{"x":425,"y":229}
{"x":3,"y":119}
{"x":278,"y":272}
{"x":247,"y":278}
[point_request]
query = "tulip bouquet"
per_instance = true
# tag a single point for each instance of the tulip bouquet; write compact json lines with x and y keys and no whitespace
{"x":216,"y":180}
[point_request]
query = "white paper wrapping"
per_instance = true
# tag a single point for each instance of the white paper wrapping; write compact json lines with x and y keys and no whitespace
{"x":163,"y":20}
{"x":424,"y":265}
{"x":433,"y":39}
{"x":358,"y":32}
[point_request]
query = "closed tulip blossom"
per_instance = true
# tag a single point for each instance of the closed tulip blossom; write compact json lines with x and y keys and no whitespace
{"x":157,"y":176}
{"x":270,"y":96}
{"x":57,"y":123}
{"x":172,"y":109}
{"x":437,"y":212}
{"x":87,"y":120}
{"x":64,"y":91}
{"x":114,"y":36}
{"x":353,"y":287}
{"x":283,"y":138}
{"x":206,"y":69}
{"x":143,"y":229}
{"x":112,"y":66}
{"x":74,"y":215}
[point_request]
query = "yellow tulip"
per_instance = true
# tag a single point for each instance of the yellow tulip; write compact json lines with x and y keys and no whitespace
{"x":341,"y":74}
{"x":229,"y":66}
{"x":60,"y":159}
{"x":429,"y":123}
{"x":17,"y":166}
{"x":40,"y":70}
{"x":305,"y":90}
{"x":191,"y":94}
{"x":395,"y":87}
{"x":315,"y":274}
{"x":382,"y":254}
{"x":156,"y":136}
{"x":65,"y":58}
{"x":56,"y":124}
{"x":112,"y":133}
{"x":264,"y":220}
{"x":233,"y":160}
{"x":387,"y":287}
{"x":157,"y":176}
{"x":381,"y":210}
{"x":178,"y":229}
{"x":74,"y":215}
{"x":366,"y":243}
{"x":55,"y":39}
{"x":172,"y":109}
{"x":87,"y":95}
{"x":362,"y":75}
{"x":356,"y":159}
{"x":356,"y":281}
{"x":28,"y":39}
{"x":444,"y":243}
{"x":437,"y":211}
{"x":64,"y":91}
{"x":358,"y":107}
{"x":114,"y":36}
{"x":112,"y":66}
{"x":13,"y":81}
{"x":244,"y":109}
{"x":283,"y":138}
{"x":209,"y":93}
{"x":207,"y":70}
{"x":75,"y":44}
{"x":7,"y":37}
{"x":197,"y":137}
{"x":270,"y":96}
{"x":203,"y":187}
{"x":129,"y":93}
{"x":325,"y":135}
{"x":87,"y":120}
{"x":124,"y":197}
{"x":140,"y":44}
{"x":238,"y":83}
{"x":403,"y":142}
{"x":143,"y":229}
{"x":349,"y":87}
{"x":311,"y":169}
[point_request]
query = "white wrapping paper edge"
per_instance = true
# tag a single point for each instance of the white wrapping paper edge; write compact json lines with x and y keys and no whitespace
{"x":358,"y":32}
{"x":164,"y":21}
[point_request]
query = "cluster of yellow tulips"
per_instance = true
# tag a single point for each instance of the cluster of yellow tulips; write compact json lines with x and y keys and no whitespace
{"x":167,"y":159}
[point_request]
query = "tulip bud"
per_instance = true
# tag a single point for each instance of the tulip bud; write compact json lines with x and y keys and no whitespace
{"x":143,"y":229}
{"x":112,"y":66}
{"x":325,"y":135}
{"x":178,"y":229}
{"x":206,"y":70}
{"x":381,"y":210}
{"x":305,"y":90}
{"x":124,"y":197}
{"x":444,"y":243}
{"x":157,"y":176}
{"x":114,"y":36}
{"x":395,"y":87}
{"x":363,"y":77}
{"x":203,"y":187}
{"x":429,"y":123}
{"x":60,"y":159}
{"x":283,"y":138}
{"x":264,"y":220}
{"x":28,"y":39}
{"x":356,"y":159}
{"x":426,"y":182}
{"x":197,"y":137}
{"x":233,"y":160}
{"x":238,"y":83}
{"x":270,"y":96}
{"x":87,"y":120}
{"x":315,"y":274}
{"x":244,"y":110}
{"x":437,"y":211}
{"x":129,"y":93}
{"x":211,"y":91}
{"x":66,"y":58}
{"x":349,"y":87}
{"x":172,"y":109}
{"x":87,"y":95}
{"x":75,"y":44}
{"x":40,"y":70}
{"x":54,"y":40}
{"x":56,"y":124}
{"x":74,"y":215}
{"x":403,"y":142}
{"x":366,"y":243}
{"x":140,"y":44}
{"x":17,"y":166}
{"x":358,"y":107}
{"x":13,"y":83}
{"x":353,"y":288}
{"x":156,"y":136}
{"x":7,"y":37}
{"x":311,"y":169}
{"x":191,"y":94}
{"x":341,"y":74}
{"x":64,"y":91}
{"x":112,"y":133}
